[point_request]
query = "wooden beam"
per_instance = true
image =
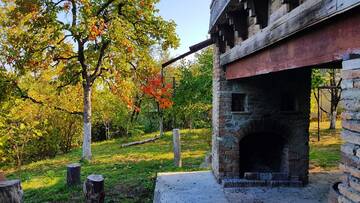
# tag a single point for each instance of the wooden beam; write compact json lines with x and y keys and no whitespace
{"x":193,"y":49}
{"x":324,"y":45}
{"x":306,"y":15}
{"x":240,"y":22}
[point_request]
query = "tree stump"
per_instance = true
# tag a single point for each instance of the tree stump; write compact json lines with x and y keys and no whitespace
{"x":73,"y":174}
{"x":177,"y":147}
{"x":94,"y":189}
{"x":11,"y":191}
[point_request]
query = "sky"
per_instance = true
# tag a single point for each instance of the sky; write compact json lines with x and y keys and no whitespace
{"x":192,"y":19}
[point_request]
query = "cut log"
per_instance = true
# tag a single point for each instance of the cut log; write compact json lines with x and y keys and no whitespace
{"x":177,"y":147}
{"x":94,"y":189}
{"x":140,"y":142}
{"x":11,"y":191}
{"x":73,"y":174}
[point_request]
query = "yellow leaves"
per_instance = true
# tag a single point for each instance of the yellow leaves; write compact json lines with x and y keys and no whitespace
{"x":97,"y":28}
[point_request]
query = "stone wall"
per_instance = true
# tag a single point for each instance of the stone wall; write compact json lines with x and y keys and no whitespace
{"x":350,"y":151}
{"x":262,"y":113}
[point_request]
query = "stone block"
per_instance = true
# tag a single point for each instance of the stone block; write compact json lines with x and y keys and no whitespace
{"x":347,"y":84}
{"x":351,"y":94}
{"x":354,"y":183}
{"x":351,"y":64}
{"x":351,"y":105}
{"x":350,"y":74}
{"x":349,"y":148}
{"x":346,"y":115}
{"x":344,"y":178}
{"x":347,"y":169}
{"x":353,"y":125}
{"x":356,"y":84}
{"x":351,"y":137}
{"x":349,"y":192}
{"x":350,"y":160}
{"x":343,"y":199}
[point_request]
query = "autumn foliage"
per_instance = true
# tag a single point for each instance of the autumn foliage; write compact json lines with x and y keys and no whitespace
{"x":158,"y":89}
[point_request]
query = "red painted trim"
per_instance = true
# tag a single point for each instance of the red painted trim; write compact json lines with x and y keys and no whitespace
{"x":326,"y":43}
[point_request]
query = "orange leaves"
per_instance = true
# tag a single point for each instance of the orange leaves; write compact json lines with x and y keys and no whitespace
{"x":159,"y":90}
{"x":97,"y":28}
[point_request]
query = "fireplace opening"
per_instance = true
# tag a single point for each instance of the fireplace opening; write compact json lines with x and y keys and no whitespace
{"x":261,"y":152}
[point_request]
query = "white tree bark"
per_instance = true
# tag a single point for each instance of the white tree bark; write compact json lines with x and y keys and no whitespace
{"x":86,"y":149}
{"x":161,"y":125}
{"x":333,"y":120}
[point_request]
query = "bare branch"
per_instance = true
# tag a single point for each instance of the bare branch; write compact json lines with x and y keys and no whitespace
{"x":65,"y":58}
{"x":66,"y":36}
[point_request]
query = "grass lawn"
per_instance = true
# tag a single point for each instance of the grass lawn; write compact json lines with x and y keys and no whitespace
{"x":130,"y":172}
{"x":325,"y":155}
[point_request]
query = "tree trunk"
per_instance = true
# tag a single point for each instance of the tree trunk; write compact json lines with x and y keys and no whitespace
{"x":333,"y":120}
{"x":10,"y":191}
{"x":94,"y":189}
{"x":161,"y":125}
{"x":73,"y":174}
{"x":86,"y":150}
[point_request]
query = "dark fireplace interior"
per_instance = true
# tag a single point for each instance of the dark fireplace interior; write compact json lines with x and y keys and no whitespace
{"x":261,"y":152}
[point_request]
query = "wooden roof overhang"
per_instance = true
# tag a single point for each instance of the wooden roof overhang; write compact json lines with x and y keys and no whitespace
{"x":314,"y":33}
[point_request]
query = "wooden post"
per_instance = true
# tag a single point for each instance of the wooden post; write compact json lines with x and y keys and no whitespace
{"x":2,"y":176}
{"x":73,"y":174}
{"x":94,"y":189}
{"x":10,"y":191}
{"x":318,"y":111}
{"x":177,"y":147}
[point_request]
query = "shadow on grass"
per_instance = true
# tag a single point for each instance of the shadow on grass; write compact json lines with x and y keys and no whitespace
{"x":124,"y":182}
{"x":129,"y":172}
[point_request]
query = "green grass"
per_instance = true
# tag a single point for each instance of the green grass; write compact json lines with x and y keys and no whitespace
{"x":325,"y":155}
{"x":129,"y":172}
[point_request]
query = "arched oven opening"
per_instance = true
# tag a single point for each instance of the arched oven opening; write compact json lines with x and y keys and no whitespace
{"x":263,"y":152}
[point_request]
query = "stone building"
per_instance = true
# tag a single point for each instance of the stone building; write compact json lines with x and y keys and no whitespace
{"x":264,"y":53}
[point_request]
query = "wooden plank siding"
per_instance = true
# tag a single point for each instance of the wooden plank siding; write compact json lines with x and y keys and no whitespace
{"x":308,"y":14}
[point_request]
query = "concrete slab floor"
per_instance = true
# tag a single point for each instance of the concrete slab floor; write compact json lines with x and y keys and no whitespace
{"x":190,"y":187}
{"x":201,"y":187}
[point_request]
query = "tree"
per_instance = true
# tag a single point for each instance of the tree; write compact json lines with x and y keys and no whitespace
{"x":85,"y":39}
{"x":331,"y":80}
{"x":193,"y":99}
{"x":160,"y":91}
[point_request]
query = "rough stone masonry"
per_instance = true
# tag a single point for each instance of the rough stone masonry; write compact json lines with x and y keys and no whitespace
{"x":350,"y":151}
{"x":273,"y":124}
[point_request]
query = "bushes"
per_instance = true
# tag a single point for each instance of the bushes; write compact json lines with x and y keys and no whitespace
{"x":30,"y":132}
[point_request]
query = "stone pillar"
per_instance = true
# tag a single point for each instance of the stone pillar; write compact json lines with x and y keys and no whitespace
{"x":350,"y":151}
{"x":220,"y":115}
